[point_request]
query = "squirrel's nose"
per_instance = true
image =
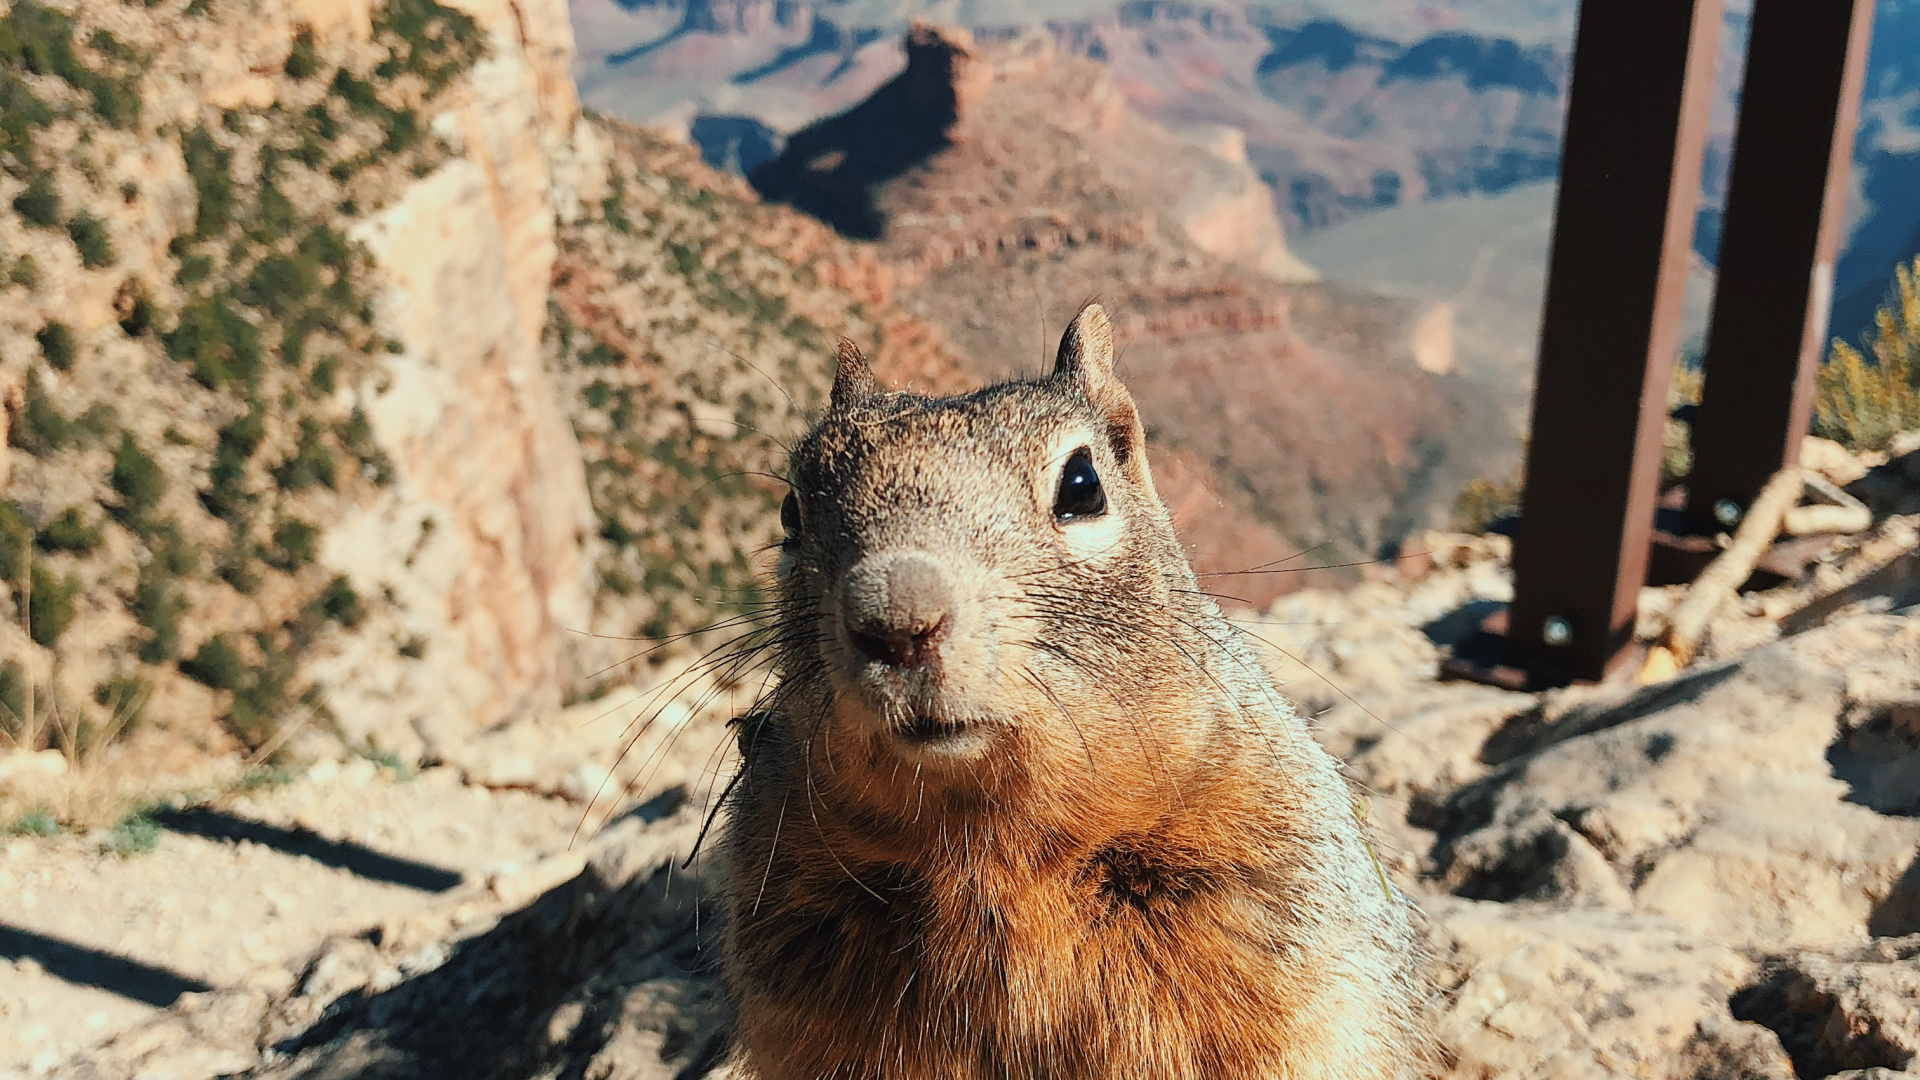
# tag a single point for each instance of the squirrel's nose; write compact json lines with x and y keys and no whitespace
{"x":897,"y":609}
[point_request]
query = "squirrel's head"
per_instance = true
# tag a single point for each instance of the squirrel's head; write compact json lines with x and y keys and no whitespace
{"x":982,"y":590}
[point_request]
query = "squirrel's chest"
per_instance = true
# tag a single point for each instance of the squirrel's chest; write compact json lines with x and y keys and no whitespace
{"x":1125,"y":957}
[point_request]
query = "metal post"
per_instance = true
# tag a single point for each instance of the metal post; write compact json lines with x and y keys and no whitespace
{"x":1629,"y":183}
{"x":1785,"y":198}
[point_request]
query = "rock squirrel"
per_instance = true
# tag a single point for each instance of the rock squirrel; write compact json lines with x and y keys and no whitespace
{"x":1024,"y":805}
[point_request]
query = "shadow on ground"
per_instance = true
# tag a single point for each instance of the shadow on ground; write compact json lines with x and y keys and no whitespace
{"x":82,"y":966}
{"x":356,"y":859}
{"x":598,"y":977}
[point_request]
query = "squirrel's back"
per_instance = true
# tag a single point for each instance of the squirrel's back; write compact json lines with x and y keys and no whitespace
{"x":1023,"y":803}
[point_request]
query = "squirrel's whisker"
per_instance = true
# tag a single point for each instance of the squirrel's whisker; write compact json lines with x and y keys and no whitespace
{"x":1038,"y":684}
{"x":772,"y":848}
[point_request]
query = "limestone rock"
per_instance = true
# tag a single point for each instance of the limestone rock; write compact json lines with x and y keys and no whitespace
{"x":1714,"y":796}
{"x":1539,"y":993}
{"x":1857,"y":1010}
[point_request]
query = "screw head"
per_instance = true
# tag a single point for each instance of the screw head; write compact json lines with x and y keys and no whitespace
{"x":1727,"y":512}
{"x":1556,"y":631}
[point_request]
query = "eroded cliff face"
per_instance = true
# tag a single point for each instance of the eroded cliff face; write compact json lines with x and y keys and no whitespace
{"x":281,"y":445}
{"x":482,"y":539}
{"x":361,"y":394}
{"x":1012,"y":179}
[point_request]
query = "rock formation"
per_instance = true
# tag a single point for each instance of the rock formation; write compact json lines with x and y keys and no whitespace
{"x":1004,"y":184}
{"x":295,"y":410}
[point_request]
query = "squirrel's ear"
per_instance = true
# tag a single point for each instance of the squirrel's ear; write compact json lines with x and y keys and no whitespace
{"x":853,"y":380}
{"x":1086,"y":357}
{"x":1086,"y":352}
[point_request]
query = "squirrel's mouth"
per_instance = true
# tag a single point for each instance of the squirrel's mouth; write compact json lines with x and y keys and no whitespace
{"x":925,"y":729}
{"x":942,"y":738}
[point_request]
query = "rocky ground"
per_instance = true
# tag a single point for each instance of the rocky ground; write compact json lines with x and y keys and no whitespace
{"x":264,"y":903}
{"x":1716,"y":875}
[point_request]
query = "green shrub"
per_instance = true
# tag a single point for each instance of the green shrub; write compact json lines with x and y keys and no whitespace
{"x":613,"y":208}
{"x":16,"y":534}
{"x":25,"y":273}
{"x":322,"y":378}
{"x":339,"y":603}
{"x":57,"y":345}
{"x":245,"y":432}
{"x":217,"y":664}
{"x":1860,"y":403}
{"x":293,"y":339}
{"x":124,"y":696}
{"x":236,"y":563}
{"x":41,"y":39}
{"x":403,"y":131}
{"x":21,"y":113}
{"x":322,"y":246}
{"x":158,"y":607}
{"x":311,"y":463}
{"x":210,"y":165}
{"x":217,"y":341}
{"x":40,"y":203}
{"x":296,"y":542}
{"x":171,"y":551}
{"x":279,"y":284}
{"x":36,"y":822}
{"x":69,"y":533}
{"x":138,"y":478}
{"x":303,"y":62}
{"x":97,"y":421}
{"x":116,"y":101}
{"x":193,"y":269}
{"x":136,"y":834}
{"x":356,"y":437}
{"x":13,"y":697}
{"x":602,"y":355}
{"x":357,"y":93}
{"x":139,"y":317}
{"x":43,"y":428}
{"x":104,"y":43}
{"x":321,"y":125}
{"x":273,"y":216}
{"x":226,"y":495}
{"x":50,"y":608}
{"x":427,"y":39}
{"x":265,"y":694}
{"x":89,"y":235}
{"x":258,"y":777}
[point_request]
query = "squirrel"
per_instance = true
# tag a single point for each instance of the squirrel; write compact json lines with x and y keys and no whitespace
{"x":1023,"y":804}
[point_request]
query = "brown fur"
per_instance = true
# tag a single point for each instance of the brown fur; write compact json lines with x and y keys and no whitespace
{"x":1133,"y":861}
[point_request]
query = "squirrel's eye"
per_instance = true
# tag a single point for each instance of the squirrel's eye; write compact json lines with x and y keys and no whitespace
{"x":790,"y":516}
{"x":1080,"y":494}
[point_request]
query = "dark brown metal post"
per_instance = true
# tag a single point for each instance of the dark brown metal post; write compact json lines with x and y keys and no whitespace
{"x":1629,"y":184}
{"x":1785,"y":198}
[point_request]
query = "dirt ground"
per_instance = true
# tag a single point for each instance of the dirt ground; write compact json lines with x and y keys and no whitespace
{"x":103,"y":930}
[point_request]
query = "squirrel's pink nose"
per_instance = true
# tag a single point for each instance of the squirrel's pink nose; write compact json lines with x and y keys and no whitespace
{"x":897,"y":609}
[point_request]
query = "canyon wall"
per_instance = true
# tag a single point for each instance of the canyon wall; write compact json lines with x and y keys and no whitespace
{"x":483,"y":538}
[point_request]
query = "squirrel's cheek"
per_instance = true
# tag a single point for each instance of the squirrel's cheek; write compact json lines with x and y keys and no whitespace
{"x":1094,"y":539}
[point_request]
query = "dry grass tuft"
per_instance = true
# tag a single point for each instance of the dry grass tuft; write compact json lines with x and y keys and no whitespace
{"x":1863,"y":403}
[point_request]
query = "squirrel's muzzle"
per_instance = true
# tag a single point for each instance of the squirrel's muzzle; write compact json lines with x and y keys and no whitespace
{"x":898,"y":609}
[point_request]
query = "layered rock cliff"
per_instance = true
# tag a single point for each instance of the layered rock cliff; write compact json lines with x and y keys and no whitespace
{"x":361,"y":392}
{"x":1005,"y":183}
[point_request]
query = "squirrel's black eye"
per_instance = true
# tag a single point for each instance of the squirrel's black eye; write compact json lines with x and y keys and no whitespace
{"x":1080,"y":494}
{"x":790,"y":516}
